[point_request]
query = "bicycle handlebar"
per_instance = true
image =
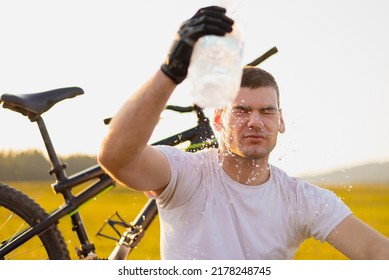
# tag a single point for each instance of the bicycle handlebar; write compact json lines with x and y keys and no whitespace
{"x":175,"y":108}
{"x":199,"y":111}
{"x":180,"y":109}
{"x":263,"y":57}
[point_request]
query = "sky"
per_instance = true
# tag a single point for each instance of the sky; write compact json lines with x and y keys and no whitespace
{"x":332,"y":70}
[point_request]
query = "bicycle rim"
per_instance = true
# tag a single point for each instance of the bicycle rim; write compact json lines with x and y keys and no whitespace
{"x":18,"y":212}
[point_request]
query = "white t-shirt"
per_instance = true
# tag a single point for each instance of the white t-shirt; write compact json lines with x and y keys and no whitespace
{"x":204,"y":214}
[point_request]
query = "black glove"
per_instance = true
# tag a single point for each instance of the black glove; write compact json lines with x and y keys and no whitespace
{"x":207,"y":21}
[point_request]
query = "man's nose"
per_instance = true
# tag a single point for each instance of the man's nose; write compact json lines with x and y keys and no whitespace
{"x":255,"y":119}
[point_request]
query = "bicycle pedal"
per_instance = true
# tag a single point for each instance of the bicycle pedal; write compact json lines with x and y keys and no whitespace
{"x":114,"y":222}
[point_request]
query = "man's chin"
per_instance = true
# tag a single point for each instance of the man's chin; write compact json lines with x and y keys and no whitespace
{"x":251,"y":153}
{"x":254,"y":154}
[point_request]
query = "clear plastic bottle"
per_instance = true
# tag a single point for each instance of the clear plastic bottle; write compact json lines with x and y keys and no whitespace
{"x":215,"y":69}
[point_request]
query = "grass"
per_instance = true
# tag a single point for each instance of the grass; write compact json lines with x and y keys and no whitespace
{"x":369,"y":203}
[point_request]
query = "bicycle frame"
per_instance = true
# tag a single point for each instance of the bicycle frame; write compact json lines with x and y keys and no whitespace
{"x":64,"y":185}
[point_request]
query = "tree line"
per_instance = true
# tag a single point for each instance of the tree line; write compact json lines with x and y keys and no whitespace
{"x":34,"y":165}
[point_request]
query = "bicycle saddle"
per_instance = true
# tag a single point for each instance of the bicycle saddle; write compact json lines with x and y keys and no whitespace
{"x":33,"y":105}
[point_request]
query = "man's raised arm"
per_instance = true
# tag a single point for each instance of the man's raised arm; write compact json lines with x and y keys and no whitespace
{"x":124,"y":153}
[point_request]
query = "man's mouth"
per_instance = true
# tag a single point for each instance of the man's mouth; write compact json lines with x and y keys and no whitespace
{"x":254,"y":136}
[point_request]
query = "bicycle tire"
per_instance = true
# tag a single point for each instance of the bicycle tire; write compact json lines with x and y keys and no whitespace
{"x":18,"y":209}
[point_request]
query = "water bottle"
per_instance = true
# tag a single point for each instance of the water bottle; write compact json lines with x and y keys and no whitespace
{"x":215,"y":70}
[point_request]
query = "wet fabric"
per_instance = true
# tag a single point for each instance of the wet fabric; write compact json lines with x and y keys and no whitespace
{"x":204,"y":214}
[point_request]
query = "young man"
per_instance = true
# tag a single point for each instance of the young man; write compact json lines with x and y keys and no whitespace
{"x":227,"y":203}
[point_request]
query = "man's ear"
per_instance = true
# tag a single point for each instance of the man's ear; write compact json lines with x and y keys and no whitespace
{"x":217,"y":119}
{"x":281,"y":127}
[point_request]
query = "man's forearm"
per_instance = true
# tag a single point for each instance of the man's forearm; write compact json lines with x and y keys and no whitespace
{"x":132,"y":126}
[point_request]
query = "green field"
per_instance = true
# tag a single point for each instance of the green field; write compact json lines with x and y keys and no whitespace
{"x":369,"y":203}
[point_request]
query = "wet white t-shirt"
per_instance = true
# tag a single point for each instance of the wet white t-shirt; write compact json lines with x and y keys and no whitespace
{"x":204,"y":214}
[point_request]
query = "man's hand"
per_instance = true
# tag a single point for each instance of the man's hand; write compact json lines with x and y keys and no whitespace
{"x":207,"y":21}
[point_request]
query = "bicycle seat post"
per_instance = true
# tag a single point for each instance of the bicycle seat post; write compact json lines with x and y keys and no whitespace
{"x":57,"y":167}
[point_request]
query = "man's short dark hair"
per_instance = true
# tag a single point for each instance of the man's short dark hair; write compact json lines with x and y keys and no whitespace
{"x":254,"y":77}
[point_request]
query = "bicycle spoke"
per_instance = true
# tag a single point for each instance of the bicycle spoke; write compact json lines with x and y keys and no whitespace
{"x":19,"y":253}
{"x":6,"y":221}
{"x":11,"y":225}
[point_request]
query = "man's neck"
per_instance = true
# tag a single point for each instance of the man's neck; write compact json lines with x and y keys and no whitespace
{"x":250,"y":172}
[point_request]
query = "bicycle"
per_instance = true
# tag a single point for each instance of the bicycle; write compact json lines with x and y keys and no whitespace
{"x":35,"y":229}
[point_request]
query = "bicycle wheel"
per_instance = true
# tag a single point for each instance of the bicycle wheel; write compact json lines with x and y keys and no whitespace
{"x":17,"y":211}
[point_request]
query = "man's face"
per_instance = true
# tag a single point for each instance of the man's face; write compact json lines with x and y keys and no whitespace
{"x":249,"y":126}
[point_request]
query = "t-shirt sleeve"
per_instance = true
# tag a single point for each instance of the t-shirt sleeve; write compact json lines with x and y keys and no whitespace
{"x":182,"y":165}
{"x":323,"y":209}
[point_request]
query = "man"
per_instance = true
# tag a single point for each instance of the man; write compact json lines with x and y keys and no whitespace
{"x":227,"y":203}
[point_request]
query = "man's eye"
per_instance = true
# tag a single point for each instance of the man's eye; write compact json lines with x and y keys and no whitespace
{"x":240,"y":111}
{"x":269,"y":111}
